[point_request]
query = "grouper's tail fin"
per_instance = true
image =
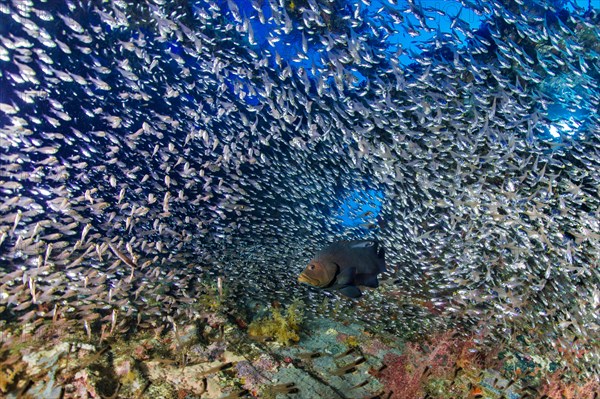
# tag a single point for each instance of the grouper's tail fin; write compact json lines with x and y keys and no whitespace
{"x":381,"y":257}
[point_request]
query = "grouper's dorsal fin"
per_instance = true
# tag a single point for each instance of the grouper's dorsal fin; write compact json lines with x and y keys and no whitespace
{"x":363,"y":244}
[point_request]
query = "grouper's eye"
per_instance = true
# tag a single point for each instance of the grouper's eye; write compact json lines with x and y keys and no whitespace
{"x":311,"y":267}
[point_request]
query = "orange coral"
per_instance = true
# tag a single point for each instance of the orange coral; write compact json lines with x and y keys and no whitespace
{"x":476,"y":390}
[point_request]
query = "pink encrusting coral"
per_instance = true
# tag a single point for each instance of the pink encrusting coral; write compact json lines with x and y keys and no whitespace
{"x":400,"y":378}
{"x":257,"y":373}
{"x":374,"y":347}
{"x":266,"y":363}
{"x":554,"y":387}
{"x":251,"y":377}
{"x":406,"y":374}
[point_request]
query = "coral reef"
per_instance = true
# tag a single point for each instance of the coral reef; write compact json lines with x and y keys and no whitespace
{"x":374,"y":347}
{"x":10,"y":373}
{"x":554,"y":386}
{"x":429,"y":368}
{"x":399,"y":377}
{"x":332,"y":360}
{"x":349,"y":340}
{"x":251,"y":377}
{"x":213,"y":297}
{"x":283,"y":328}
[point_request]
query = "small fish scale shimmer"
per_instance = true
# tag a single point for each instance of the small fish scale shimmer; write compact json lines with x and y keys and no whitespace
{"x":148,"y":147}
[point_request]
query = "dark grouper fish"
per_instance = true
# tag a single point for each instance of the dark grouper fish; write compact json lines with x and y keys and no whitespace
{"x":344,"y":265}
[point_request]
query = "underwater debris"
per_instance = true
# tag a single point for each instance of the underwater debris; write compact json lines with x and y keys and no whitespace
{"x":283,"y":328}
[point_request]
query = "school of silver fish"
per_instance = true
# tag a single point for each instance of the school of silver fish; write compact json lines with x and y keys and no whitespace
{"x":148,"y":147}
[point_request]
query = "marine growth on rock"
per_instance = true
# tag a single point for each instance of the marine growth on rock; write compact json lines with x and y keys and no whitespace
{"x":168,"y":162}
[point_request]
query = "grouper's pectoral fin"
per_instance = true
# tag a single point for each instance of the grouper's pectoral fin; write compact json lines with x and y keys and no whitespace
{"x":346,"y":276}
{"x":367,"y":280}
{"x":350,"y":291}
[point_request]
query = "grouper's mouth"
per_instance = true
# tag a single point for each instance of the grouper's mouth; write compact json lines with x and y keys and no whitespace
{"x":303,"y":278}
